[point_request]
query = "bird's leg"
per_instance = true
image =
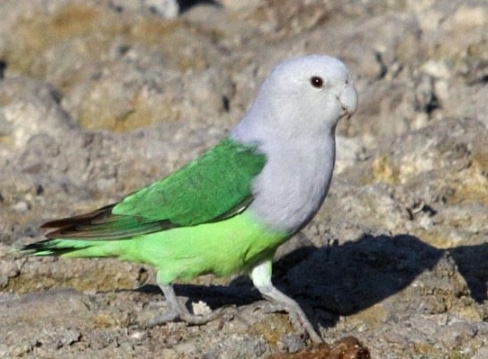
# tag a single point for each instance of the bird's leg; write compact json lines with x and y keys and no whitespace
{"x":177,"y":311}
{"x":261,"y":278}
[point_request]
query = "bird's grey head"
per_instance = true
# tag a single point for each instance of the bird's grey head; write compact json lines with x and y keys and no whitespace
{"x":305,"y":95}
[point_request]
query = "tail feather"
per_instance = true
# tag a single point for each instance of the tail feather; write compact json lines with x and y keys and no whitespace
{"x":73,"y":248}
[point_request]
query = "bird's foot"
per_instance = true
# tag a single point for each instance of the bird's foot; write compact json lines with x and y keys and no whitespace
{"x":184,"y":316}
{"x":297,"y":317}
{"x":267,"y":307}
{"x":178,"y":312}
{"x":261,"y":278}
{"x":299,"y":321}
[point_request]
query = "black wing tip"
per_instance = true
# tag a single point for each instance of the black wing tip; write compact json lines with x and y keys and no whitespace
{"x":69,"y":226}
{"x":102,"y":224}
{"x":97,"y":214}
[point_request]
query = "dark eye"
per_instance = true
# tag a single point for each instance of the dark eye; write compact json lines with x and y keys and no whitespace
{"x":317,"y":81}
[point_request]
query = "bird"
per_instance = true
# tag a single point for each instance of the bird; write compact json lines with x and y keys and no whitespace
{"x":227,"y":211}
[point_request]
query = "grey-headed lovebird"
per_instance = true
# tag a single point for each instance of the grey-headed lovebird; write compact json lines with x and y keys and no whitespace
{"x":227,"y":211}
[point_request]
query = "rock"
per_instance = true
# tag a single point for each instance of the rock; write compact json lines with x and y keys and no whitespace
{"x":348,"y":347}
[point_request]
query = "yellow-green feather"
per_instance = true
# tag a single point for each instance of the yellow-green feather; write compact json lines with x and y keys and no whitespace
{"x":222,"y":248}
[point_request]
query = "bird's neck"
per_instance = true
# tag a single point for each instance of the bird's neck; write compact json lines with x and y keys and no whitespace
{"x":295,"y":180}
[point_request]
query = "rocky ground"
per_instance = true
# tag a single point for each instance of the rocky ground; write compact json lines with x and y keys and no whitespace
{"x":98,"y":98}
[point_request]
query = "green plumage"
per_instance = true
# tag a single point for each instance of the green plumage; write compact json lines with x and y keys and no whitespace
{"x":209,"y":188}
{"x":213,"y":187}
{"x":186,"y":224}
{"x":223,"y":248}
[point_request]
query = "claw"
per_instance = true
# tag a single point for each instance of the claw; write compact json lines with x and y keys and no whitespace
{"x":178,"y":312}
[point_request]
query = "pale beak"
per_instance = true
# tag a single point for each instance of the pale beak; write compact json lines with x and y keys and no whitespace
{"x":348,"y":99}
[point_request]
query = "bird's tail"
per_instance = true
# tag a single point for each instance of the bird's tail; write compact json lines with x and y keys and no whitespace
{"x":75,"y":248}
{"x":96,"y":234}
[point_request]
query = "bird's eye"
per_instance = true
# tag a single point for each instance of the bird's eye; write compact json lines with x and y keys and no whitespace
{"x":317,"y":82}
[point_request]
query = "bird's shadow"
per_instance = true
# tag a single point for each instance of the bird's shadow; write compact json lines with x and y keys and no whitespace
{"x":333,"y":281}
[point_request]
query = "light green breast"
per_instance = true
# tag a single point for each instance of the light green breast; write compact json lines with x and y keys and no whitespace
{"x":222,"y":248}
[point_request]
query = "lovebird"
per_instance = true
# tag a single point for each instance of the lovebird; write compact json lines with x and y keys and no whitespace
{"x":228,"y":211}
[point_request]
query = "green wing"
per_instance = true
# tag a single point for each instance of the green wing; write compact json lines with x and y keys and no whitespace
{"x":213,"y":187}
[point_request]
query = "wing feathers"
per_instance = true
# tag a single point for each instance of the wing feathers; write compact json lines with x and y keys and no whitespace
{"x":214,"y":187}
